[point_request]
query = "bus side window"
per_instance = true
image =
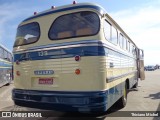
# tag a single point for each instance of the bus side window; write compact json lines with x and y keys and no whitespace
{"x":124,"y":44}
{"x":128,"y":46}
{"x":121,"y":40}
{"x":114,"y":36}
{"x":107,"y":30}
{"x":133,"y":50}
{"x":131,"y":47}
{"x":5,"y":55}
{"x":9,"y":57}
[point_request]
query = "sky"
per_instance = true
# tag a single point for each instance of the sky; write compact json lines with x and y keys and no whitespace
{"x":140,"y":19}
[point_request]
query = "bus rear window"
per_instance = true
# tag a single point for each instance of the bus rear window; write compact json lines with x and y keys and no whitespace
{"x":27,"y":34}
{"x":85,"y":23}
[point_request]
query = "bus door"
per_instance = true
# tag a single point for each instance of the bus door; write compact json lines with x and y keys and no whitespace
{"x":140,"y":63}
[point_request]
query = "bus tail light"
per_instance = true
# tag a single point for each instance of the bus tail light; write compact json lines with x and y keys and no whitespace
{"x":17,"y":73}
{"x":77,"y":58}
{"x":77,"y":71}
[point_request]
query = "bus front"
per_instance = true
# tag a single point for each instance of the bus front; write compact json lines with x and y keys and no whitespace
{"x":59,"y":60}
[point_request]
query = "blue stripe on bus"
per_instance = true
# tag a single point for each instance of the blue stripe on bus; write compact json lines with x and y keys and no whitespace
{"x":76,"y":101}
{"x":98,"y":50}
{"x":63,"y":53}
{"x":66,"y":9}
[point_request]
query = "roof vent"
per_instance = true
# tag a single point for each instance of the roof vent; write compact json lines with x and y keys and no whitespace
{"x":35,"y":13}
{"x":74,"y":2}
{"x":53,"y":7}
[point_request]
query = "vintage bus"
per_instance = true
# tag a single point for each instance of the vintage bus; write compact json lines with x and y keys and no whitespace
{"x":74,"y":58}
{"x":5,"y":66}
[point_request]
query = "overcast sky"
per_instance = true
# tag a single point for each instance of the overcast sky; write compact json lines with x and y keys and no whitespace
{"x":140,"y":19}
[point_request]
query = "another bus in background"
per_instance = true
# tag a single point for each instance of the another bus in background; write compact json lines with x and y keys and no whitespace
{"x":6,"y":67}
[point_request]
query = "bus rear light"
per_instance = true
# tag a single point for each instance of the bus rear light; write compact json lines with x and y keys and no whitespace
{"x":17,"y":62}
{"x":74,"y":2}
{"x":53,"y":7}
{"x":77,"y":58}
{"x":17,"y":73}
{"x":77,"y":71}
{"x":35,"y":13}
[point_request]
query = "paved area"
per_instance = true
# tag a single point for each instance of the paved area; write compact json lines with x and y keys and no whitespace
{"x":147,"y":98}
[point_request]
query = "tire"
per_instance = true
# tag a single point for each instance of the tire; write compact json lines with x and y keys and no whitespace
{"x":7,"y":84}
{"x":136,"y":85}
{"x":123,"y":100}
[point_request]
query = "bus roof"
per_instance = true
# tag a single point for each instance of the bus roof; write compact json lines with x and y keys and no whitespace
{"x":96,"y":7}
{"x":68,"y":7}
{"x":5,"y":48}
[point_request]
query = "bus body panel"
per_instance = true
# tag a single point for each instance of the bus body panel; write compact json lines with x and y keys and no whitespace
{"x":64,"y":77}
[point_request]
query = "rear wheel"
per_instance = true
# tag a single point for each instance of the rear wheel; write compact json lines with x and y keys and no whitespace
{"x":7,"y":84}
{"x":136,"y":85}
{"x":123,"y":100}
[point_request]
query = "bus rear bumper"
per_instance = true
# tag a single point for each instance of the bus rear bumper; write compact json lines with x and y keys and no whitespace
{"x":63,"y":101}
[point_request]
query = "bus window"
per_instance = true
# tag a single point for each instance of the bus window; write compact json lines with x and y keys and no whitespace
{"x":128,"y":46}
{"x":5,"y":55}
{"x":121,"y":40}
{"x":124,"y":44}
{"x":9,"y":57}
{"x":78,"y":24}
{"x":114,"y":35}
{"x":107,"y":30}
{"x":1,"y":53}
{"x":133,"y":50}
{"x":131,"y":47}
{"x":26,"y":34}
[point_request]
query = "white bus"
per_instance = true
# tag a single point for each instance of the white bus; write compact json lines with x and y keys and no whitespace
{"x":5,"y":66}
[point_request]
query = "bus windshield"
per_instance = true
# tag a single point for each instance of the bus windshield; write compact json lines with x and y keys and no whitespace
{"x":26,"y":34}
{"x":85,"y":23}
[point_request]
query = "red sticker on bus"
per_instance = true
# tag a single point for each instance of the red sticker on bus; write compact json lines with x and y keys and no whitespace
{"x":46,"y":81}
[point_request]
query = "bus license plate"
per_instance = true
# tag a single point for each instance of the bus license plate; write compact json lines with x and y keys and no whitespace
{"x":46,"y":81}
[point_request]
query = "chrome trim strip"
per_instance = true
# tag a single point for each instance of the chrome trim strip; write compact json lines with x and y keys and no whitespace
{"x":71,"y":44}
{"x":59,"y":45}
{"x":64,"y":44}
{"x":111,"y":79}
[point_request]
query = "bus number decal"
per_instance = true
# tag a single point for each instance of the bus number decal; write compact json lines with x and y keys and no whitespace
{"x":43,"y":53}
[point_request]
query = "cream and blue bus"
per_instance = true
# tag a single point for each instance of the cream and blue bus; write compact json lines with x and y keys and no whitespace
{"x":5,"y":66}
{"x":74,"y":58}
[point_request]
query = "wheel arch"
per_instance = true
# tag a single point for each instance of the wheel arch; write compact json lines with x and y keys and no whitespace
{"x":127,"y":83}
